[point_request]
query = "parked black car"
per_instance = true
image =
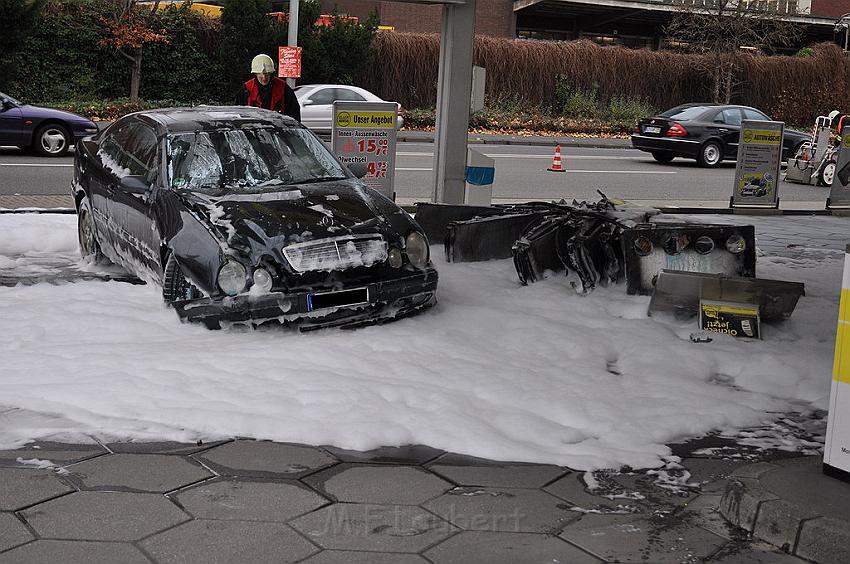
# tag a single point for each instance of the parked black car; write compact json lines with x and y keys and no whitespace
{"x":47,"y":131}
{"x":243,"y":215}
{"x":706,"y":132}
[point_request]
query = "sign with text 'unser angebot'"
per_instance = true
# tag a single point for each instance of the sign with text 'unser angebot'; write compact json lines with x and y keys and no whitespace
{"x":364,"y":135}
{"x":757,"y":171}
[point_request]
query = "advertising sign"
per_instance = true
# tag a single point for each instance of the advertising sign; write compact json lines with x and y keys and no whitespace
{"x":289,"y":62}
{"x":738,"y":320}
{"x":836,"y":452}
{"x":839,"y":195}
{"x":757,"y":172}
{"x":364,"y":135}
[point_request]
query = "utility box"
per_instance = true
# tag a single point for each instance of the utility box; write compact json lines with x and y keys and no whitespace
{"x":480,"y":172}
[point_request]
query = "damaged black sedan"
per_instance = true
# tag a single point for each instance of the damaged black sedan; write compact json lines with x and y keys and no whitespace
{"x":243,"y":215}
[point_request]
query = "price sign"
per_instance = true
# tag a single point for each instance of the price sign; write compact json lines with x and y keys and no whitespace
{"x":289,"y":62}
{"x":364,"y":135}
{"x":757,"y":171}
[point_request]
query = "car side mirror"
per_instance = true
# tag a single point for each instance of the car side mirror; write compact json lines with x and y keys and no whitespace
{"x":134,"y":184}
{"x":307,"y":102}
{"x":7,"y":105}
{"x":357,"y":169}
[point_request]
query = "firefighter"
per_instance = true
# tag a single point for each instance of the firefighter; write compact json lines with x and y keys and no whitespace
{"x":267,"y":91}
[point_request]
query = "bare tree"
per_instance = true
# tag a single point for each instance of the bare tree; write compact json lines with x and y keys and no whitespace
{"x":721,"y":29}
{"x":131,"y":26}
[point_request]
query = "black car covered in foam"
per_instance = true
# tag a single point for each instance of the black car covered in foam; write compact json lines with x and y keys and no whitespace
{"x":243,"y":215}
{"x":708,"y":133}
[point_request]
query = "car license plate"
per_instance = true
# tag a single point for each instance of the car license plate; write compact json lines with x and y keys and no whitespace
{"x":342,"y":298}
{"x":651,"y":129}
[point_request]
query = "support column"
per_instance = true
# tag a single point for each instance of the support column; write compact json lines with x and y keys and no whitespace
{"x":453,"y":94}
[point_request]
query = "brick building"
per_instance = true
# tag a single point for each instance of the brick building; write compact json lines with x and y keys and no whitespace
{"x":633,"y":23}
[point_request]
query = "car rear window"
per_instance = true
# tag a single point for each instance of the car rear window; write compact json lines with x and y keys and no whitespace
{"x":680,"y":113}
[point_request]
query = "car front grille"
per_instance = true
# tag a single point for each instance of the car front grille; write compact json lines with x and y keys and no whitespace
{"x":336,"y":253}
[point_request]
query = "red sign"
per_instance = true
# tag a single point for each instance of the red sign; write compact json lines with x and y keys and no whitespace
{"x":289,"y":62}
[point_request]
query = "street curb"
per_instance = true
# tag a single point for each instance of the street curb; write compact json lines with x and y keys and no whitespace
{"x":803,"y":532}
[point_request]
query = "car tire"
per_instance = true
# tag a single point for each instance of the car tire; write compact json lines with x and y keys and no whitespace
{"x":663,"y":158}
{"x":175,"y":286}
{"x":826,"y":174}
{"x":87,"y":235}
{"x":51,"y":140}
{"x":710,"y":154}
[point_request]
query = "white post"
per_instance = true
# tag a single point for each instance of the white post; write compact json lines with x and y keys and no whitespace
{"x":292,"y":36}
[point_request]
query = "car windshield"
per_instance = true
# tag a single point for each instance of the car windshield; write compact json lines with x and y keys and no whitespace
{"x":248,"y":159}
{"x":6,"y":97}
{"x":683,"y":114}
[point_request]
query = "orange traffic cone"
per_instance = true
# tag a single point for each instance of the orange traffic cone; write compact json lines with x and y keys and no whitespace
{"x":556,"y":161}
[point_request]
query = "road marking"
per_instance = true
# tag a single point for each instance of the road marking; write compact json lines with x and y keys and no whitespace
{"x":519,"y":156}
{"x":33,"y":164}
{"x":583,"y":171}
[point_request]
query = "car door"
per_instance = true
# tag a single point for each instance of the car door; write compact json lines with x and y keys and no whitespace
{"x":317,"y":109}
{"x":104,"y":156}
{"x":130,"y":204}
{"x":726,"y":125}
{"x":11,"y":124}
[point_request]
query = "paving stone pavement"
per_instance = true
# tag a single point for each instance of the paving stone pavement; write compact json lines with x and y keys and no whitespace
{"x":257,"y":501}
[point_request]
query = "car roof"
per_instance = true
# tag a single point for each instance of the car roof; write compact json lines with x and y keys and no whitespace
{"x":206,"y":118}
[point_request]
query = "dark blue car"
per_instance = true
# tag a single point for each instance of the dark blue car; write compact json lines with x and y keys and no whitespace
{"x":48,"y":132}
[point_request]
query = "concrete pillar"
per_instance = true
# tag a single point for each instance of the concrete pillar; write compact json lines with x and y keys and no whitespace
{"x":453,"y":91}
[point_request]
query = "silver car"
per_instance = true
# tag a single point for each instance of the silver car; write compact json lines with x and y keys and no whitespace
{"x":317,"y":103}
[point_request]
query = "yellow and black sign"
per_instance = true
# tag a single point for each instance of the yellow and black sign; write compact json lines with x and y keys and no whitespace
{"x":369,"y":120}
{"x":738,"y":320}
{"x":836,"y":451}
{"x":762,"y":137}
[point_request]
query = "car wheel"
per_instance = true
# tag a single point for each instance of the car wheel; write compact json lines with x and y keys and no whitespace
{"x":52,"y":140}
{"x":86,"y":234}
{"x":663,"y":157}
{"x":710,"y":154}
{"x":175,"y":286}
{"x":826,"y":174}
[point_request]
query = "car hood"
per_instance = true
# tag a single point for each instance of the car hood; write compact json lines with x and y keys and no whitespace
{"x":258,"y":222}
{"x":39,"y":112}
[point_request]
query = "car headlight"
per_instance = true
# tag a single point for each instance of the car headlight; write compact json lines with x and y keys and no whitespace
{"x":231,"y":278}
{"x":394,"y":257}
{"x":417,"y":249}
{"x":263,"y":279}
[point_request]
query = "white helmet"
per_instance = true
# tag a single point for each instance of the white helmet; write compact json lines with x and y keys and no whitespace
{"x":261,"y":64}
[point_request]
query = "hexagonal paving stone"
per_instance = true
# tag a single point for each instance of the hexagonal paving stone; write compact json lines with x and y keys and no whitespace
{"x":107,"y":516}
{"x":265,"y":459}
{"x":20,"y":487}
{"x":12,"y":532}
{"x":407,"y":454}
{"x":471,"y":471}
{"x":393,"y":485}
{"x":137,"y":472}
{"x":471,"y":547}
{"x":57,"y":453}
{"x":513,"y":510}
{"x":352,"y":557}
{"x":379,"y":528}
{"x":250,"y":501}
{"x":638,"y":538}
{"x":211,"y":542}
{"x":572,"y":489}
{"x":74,"y":552}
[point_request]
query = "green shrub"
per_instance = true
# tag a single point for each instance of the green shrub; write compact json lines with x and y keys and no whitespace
{"x":628,"y":110}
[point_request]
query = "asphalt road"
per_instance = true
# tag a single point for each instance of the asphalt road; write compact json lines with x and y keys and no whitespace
{"x":520,"y":174}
